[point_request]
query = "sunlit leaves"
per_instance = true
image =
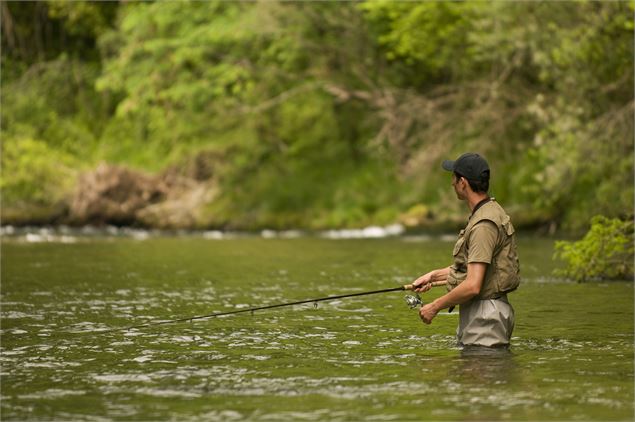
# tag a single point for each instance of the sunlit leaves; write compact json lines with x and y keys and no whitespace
{"x":33,"y":172}
{"x":605,"y":252}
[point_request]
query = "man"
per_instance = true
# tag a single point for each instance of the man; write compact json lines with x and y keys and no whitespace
{"x":485,"y":264}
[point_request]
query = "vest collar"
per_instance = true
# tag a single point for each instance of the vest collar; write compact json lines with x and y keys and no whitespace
{"x":479,"y":205}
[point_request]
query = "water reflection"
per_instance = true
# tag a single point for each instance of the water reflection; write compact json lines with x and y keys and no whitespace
{"x":485,"y":365}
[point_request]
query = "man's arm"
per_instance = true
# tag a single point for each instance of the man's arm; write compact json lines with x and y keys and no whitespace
{"x":462,"y":293}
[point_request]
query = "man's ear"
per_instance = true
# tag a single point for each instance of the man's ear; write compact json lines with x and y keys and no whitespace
{"x":467,"y":184}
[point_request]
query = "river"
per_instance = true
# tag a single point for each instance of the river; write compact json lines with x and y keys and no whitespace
{"x":360,"y":358}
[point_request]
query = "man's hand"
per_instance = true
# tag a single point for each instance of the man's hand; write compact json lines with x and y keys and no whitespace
{"x":462,"y":293}
{"x":428,"y":312}
{"x":422,"y":284}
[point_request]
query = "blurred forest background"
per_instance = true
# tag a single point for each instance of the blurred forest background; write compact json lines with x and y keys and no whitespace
{"x":249,"y":115}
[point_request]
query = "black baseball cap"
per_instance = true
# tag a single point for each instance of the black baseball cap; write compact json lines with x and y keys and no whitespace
{"x":469,"y":165}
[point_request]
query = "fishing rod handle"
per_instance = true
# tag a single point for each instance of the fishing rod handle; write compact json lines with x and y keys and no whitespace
{"x":434,"y":284}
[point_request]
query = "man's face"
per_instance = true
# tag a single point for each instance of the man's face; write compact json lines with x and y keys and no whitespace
{"x":459,"y":187}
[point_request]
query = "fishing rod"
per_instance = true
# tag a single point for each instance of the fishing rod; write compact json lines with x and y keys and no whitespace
{"x":411,"y":300}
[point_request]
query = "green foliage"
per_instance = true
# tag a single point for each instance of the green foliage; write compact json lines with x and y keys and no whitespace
{"x":537,"y":87}
{"x":582,"y":145}
{"x":55,"y":103}
{"x":307,"y":129}
{"x":245,"y":81}
{"x":83,"y":19}
{"x":431,"y":36}
{"x":185,"y":72}
{"x":33,"y":32}
{"x":33,"y":172}
{"x":605,"y":252}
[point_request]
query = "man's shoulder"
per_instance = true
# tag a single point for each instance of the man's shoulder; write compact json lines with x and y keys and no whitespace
{"x":484,"y":228}
{"x":492,"y":211}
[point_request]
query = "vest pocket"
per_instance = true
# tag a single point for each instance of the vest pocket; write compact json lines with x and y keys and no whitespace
{"x":508,"y":226}
{"x":455,"y":278}
{"x":504,"y":275}
{"x":459,"y":243}
{"x":508,"y":269}
{"x":458,"y":272}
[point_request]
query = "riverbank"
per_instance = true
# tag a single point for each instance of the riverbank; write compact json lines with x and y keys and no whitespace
{"x":187,"y":197}
{"x":67,"y":234}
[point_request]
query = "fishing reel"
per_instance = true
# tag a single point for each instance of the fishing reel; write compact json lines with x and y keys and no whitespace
{"x":413,"y":301}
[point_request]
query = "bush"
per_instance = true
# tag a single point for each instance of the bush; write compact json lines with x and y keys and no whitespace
{"x":605,"y":252}
{"x":34,"y":173}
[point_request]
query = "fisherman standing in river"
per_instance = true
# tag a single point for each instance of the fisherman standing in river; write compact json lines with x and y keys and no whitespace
{"x":485,"y":266}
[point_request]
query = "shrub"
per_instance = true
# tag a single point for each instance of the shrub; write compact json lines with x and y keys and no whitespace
{"x":34,"y":173}
{"x":605,"y":252}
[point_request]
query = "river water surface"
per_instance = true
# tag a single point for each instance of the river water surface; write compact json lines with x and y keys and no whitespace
{"x":361,"y":358}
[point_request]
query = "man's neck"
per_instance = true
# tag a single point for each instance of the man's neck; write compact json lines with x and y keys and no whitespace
{"x":474,"y":199}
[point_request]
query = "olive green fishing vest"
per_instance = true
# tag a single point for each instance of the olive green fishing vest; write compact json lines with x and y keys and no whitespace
{"x":503,"y":273}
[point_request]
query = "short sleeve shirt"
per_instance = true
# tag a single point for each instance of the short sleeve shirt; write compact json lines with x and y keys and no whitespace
{"x":482,"y":242}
